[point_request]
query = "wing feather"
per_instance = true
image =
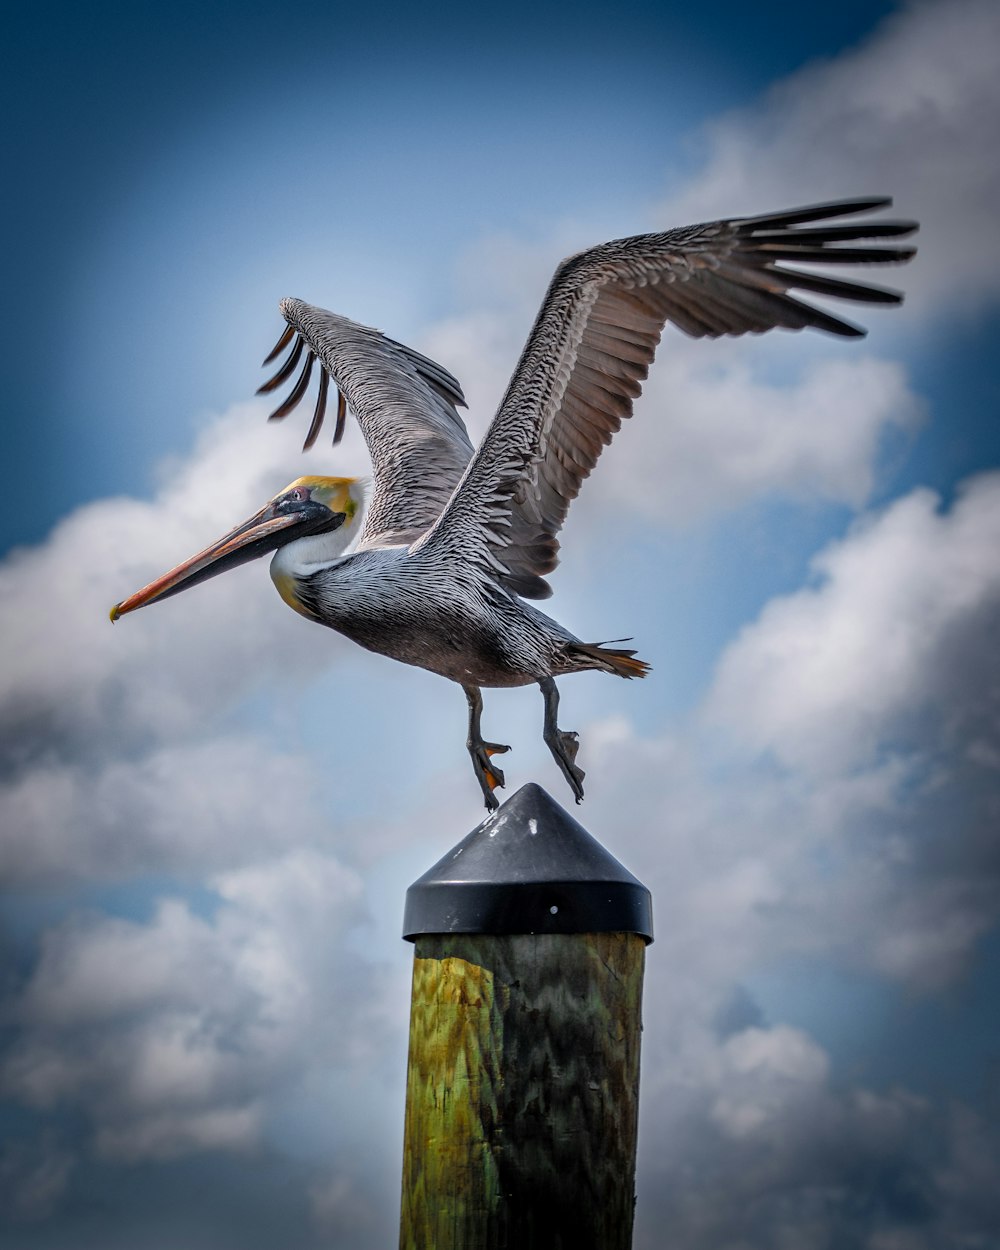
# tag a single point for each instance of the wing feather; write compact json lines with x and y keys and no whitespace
{"x":594,"y":340}
{"x":407,"y":408}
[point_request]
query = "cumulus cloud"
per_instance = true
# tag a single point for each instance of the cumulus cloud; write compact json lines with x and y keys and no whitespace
{"x":170,"y":807}
{"x":783,"y":1158}
{"x":172,"y":1034}
{"x":722,"y":435}
{"x":912,"y":112}
{"x":77,"y":676}
{"x":899,"y":609}
{"x":762,"y":1072}
{"x":834,"y":802}
{"x":114,"y":736}
{"x":751,"y":1136}
{"x":837,"y":790}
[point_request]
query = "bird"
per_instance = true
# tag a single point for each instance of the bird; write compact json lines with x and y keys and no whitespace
{"x":441,"y":568}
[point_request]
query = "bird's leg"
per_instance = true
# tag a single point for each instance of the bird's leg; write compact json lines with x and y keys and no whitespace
{"x":563,"y":745}
{"x":488,"y":776}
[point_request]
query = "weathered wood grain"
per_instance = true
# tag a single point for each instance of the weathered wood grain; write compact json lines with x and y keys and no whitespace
{"x":522,"y":1092}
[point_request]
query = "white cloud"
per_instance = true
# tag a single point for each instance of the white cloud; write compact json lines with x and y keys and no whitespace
{"x":823,"y":675}
{"x":777,"y":1163}
{"x":715,"y":434}
{"x":79,"y":675}
{"x":172,"y":807}
{"x":837,"y":792}
{"x":913,"y":112}
{"x":121,"y":751}
{"x":764,"y":1074}
{"x":175,"y":1133}
{"x":168,"y":1032}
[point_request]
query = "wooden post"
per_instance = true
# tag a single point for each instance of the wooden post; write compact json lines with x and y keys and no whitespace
{"x":523,"y":1078}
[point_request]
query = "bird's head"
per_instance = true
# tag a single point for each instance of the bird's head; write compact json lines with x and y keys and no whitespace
{"x":312,"y":516}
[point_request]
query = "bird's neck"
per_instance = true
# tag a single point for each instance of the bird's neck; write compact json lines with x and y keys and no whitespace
{"x":298,"y":559}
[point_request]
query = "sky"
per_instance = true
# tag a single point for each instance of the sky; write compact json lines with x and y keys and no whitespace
{"x":209,"y":814}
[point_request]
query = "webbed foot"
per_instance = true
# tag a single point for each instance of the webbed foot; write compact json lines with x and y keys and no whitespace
{"x":490,"y":777}
{"x":563,"y":744}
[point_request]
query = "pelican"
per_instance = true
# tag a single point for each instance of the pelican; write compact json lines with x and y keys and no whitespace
{"x":439,"y":568}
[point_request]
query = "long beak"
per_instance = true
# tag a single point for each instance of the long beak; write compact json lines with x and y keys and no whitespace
{"x":264,"y":532}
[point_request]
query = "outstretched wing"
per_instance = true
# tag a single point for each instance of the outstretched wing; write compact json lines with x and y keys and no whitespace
{"x":406,"y":405}
{"x":592,"y":344}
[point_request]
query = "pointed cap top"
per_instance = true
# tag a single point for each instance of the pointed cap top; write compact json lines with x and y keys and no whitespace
{"x":528,"y":868}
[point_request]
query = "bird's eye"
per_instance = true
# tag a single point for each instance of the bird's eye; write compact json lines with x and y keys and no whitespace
{"x":295,"y":496}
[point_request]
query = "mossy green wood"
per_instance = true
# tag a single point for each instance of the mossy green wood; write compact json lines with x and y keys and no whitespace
{"x":522,"y":1092}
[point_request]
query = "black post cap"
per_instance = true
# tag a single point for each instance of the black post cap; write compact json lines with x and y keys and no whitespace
{"x":528,"y":868}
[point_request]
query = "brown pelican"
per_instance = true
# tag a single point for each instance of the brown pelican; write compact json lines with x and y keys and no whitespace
{"x":453,"y":541}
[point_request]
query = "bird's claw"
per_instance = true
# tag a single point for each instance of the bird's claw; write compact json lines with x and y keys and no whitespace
{"x":490,"y":777}
{"x":568,"y":743}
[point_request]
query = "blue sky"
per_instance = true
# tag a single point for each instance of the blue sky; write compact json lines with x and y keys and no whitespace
{"x":204,"y":1013}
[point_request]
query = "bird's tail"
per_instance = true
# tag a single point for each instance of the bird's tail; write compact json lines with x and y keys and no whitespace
{"x":610,"y":659}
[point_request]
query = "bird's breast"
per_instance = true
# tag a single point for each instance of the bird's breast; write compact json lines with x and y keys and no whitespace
{"x":447,"y":629}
